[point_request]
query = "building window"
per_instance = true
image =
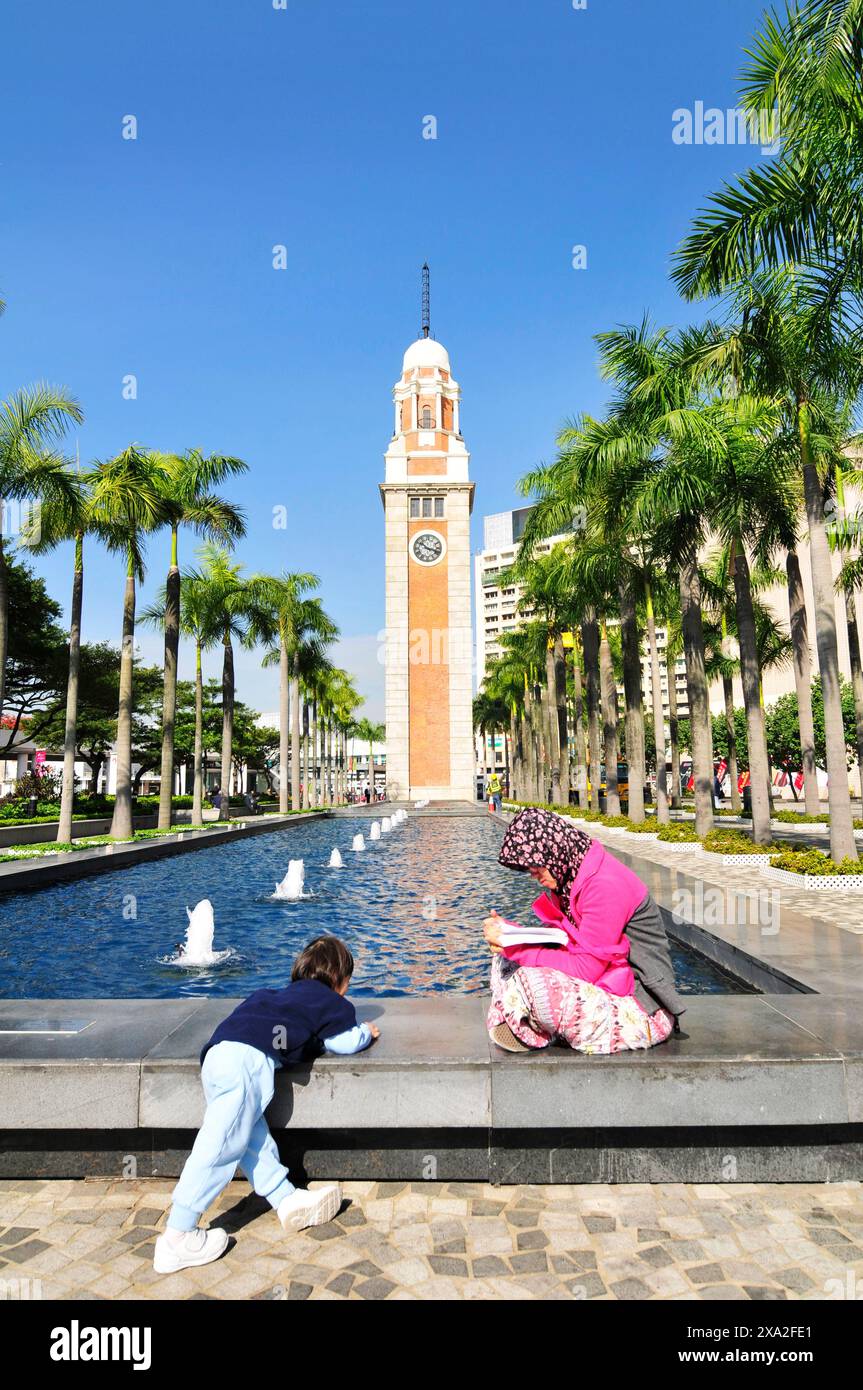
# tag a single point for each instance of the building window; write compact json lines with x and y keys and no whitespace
{"x":426,"y":507}
{"x":427,"y":422}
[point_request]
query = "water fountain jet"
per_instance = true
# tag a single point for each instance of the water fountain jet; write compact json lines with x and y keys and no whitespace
{"x":291,"y":886}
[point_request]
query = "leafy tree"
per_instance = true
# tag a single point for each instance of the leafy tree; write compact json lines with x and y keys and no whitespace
{"x":36,"y":659}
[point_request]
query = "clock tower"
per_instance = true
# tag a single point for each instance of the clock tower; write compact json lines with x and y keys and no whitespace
{"x":427,"y":498}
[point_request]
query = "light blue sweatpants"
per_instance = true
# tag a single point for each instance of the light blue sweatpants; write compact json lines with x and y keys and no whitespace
{"x":238,"y":1083}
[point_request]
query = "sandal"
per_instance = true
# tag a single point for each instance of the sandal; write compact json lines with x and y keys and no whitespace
{"x":503,"y":1035}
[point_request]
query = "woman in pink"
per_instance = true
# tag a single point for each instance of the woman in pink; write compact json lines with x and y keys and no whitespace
{"x":611,"y":988}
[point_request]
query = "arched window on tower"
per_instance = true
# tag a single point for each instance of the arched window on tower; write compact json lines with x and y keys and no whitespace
{"x":427,"y":419}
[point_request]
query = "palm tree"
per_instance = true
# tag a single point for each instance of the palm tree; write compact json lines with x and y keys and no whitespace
{"x":126,"y":504}
{"x":185,"y":483}
{"x":69,"y":517}
{"x":346,"y":703}
{"x":804,"y":207}
{"x":371,"y":733}
{"x":286,"y":618}
{"x":490,"y":718}
{"x":232,"y":602}
{"x":313,"y":666}
{"x":547,"y":597}
{"x":31,"y":422}
{"x":789,"y":352}
{"x":201,"y":619}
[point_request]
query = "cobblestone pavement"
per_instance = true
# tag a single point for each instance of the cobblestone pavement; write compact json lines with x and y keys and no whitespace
{"x":93,"y":1239}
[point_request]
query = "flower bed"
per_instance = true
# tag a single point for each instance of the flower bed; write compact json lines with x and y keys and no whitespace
{"x":734,"y":847}
{"x":815,"y":872}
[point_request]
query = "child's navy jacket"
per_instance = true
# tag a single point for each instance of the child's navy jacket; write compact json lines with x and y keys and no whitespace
{"x":290,"y":1024}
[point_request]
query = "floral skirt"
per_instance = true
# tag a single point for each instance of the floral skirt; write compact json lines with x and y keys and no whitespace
{"x":543,"y":1006}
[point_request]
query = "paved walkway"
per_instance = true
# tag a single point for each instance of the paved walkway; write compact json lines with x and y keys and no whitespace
{"x":93,"y":1239}
{"x":831,"y":909}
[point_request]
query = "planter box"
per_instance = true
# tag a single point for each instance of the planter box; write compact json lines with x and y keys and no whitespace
{"x":635,"y":836}
{"x":681,"y":846}
{"x":816,"y":883}
{"x":738,"y":860}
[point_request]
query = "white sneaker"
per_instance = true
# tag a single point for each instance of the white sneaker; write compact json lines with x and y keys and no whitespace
{"x":196,"y":1248}
{"x":304,"y":1208}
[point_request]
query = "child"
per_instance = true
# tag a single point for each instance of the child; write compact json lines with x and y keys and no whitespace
{"x":272,"y":1028}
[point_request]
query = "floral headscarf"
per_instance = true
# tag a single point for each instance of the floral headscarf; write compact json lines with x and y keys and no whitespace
{"x":542,"y":840}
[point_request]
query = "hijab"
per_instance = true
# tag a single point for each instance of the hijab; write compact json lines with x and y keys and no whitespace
{"x":543,"y":840}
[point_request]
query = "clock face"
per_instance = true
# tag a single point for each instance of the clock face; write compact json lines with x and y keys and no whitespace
{"x":427,"y":547}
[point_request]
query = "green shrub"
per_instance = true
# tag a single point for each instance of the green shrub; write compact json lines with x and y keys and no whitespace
{"x":645,"y":827}
{"x":733,"y":842}
{"x":677,"y":833}
{"x":801,"y":818}
{"x":814,"y":862}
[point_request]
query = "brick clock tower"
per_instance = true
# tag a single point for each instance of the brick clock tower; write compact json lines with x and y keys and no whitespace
{"x":427,"y":500}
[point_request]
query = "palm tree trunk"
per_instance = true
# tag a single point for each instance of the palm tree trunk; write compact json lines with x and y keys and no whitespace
{"x":283,"y":727}
{"x":552,"y":722}
{"x":67,"y":796}
{"x":696,"y":681}
{"x":578,"y":724}
{"x":295,"y":732}
{"x":121,"y":821}
{"x":609,"y":723}
{"x":528,"y":752}
{"x":731,"y":734}
{"x":314,"y":736}
{"x":634,"y":702}
{"x":673,"y":726}
{"x":750,"y":675}
{"x":169,"y":688}
{"x":306,"y":801}
{"x":662,"y":812}
{"x":198,"y":770}
{"x":227,"y":726}
{"x":856,"y":675}
{"x":842,"y":843}
{"x":590,"y":648}
{"x":802,"y":679}
{"x":506,"y":762}
{"x":562,"y":719}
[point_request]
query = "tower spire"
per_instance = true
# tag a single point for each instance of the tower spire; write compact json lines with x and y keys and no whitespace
{"x":426,"y":302}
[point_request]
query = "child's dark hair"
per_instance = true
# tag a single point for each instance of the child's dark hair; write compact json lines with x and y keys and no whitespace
{"x":326,"y":959}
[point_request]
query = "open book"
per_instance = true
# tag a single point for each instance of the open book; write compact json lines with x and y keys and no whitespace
{"x":540,"y":935}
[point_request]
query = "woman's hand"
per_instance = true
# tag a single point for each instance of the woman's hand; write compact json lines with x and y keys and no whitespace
{"x":492,"y":928}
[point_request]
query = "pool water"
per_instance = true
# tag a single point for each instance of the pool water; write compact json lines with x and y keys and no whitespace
{"x":410,"y":908}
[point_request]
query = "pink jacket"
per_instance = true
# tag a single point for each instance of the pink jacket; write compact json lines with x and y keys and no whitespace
{"x":604,"y":895}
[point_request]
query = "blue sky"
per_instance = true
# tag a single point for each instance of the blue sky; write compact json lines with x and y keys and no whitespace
{"x":304,"y":127}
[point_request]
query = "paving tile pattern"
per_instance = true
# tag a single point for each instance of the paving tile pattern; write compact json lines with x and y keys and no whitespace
{"x":93,"y":1239}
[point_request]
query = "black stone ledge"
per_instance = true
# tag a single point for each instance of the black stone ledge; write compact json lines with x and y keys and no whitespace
{"x":697,"y":1155}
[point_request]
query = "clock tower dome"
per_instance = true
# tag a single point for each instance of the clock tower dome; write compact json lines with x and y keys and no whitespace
{"x":427,"y":498}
